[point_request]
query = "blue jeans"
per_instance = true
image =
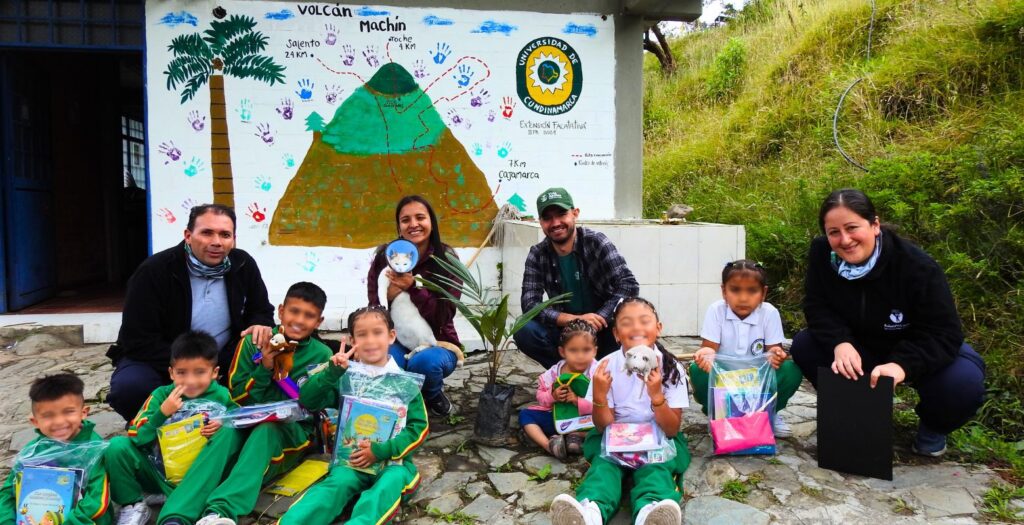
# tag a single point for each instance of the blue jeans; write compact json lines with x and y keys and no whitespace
{"x":540,"y":343}
{"x":435,"y":363}
{"x":949,"y":396}
{"x":131,"y":384}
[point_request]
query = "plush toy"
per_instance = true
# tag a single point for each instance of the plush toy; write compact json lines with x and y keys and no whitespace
{"x":640,"y":360}
{"x":284,"y":360}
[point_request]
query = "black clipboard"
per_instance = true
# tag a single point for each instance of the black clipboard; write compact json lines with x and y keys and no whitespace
{"x":855,"y":432}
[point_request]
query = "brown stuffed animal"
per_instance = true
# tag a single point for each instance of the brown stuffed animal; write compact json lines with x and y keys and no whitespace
{"x":285,"y":359}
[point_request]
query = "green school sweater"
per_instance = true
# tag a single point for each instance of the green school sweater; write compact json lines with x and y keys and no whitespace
{"x":321,"y":391}
{"x":93,"y":508}
{"x":142,"y":430}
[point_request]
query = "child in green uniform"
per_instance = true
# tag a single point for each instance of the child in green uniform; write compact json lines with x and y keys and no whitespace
{"x":194,"y":372}
{"x":58,"y":413}
{"x":270,"y":448}
{"x":379,"y":495}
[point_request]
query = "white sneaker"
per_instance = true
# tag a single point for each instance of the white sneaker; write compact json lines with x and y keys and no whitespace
{"x":565,"y":510}
{"x":214,"y":519}
{"x":780,"y":426}
{"x":137,"y":514}
{"x":664,"y":512}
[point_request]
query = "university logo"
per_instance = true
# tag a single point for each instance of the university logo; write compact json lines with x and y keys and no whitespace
{"x":549,"y":76}
{"x":896,"y":316}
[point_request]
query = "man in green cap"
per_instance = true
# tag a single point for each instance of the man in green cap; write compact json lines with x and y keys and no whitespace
{"x":571,"y":259}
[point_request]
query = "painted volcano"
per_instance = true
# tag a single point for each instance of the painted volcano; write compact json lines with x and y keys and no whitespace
{"x":384,"y":142}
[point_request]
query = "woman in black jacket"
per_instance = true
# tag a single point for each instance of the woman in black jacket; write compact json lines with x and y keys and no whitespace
{"x":876,"y":304}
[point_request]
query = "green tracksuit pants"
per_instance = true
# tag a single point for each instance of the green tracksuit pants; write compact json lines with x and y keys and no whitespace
{"x":270,"y":449}
{"x":379,"y":496}
{"x":602,"y":483}
{"x":788,"y":378}
{"x":188,"y":501}
{"x":131,"y":473}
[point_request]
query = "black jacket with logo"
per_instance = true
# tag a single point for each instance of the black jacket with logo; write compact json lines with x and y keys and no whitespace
{"x":901,"y":312}
{"x":158,"y":305}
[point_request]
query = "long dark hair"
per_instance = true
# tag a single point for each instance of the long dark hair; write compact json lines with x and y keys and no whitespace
{"x":669,"y":363}
{"x":852,"y":199}
{"x":435,"y":229}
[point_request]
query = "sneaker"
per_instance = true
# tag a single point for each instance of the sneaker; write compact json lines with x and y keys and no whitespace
{"x":556,"y":446}
{"x":780,"y":427}
{"x":439,"y":406}
{"x":155,"y":499}
{"x":137,"y":514}
{"x":574,"y":444}
{"x":929,"y":443}
{"x":172,"y":521}
{"x":664,"y":512}
{"x":215,"y":519}
{"x":565,"y":510}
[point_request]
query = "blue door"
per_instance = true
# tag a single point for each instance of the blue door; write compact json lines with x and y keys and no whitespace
{"x":27,"y":184}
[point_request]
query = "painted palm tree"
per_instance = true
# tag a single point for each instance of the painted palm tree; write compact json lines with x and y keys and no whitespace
{"x":229,"y":48}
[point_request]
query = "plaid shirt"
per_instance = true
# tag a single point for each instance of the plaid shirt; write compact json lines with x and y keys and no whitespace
{"x":602,"y":265}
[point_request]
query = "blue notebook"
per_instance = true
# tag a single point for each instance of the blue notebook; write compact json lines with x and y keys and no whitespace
{"x":46,"y":495}
{"x":363,"y":421}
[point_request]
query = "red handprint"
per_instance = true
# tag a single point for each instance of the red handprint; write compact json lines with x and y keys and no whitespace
{"x":258,"y":214}
{"x":507,"y":105}
{"x":166,"y":215}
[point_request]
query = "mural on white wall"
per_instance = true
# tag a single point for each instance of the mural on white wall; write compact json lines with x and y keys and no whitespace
{"x":313,"y":120}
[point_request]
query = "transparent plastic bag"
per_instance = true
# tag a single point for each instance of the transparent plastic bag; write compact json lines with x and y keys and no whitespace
{"x":374,"y":405}
{"x":634,"y":445}
{"x":179,"y":441}
{"x":252,"y":415}
{"x":78,"y":457}
{"x":741,"y":396}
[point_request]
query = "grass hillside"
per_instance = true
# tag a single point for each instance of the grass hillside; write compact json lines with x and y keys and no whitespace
{"x":742,"y":131}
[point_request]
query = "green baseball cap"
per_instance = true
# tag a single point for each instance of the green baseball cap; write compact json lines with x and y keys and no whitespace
{"x":554,"y":197}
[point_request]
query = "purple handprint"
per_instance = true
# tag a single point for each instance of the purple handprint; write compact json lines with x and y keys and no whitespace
{"x":371,"y":56}
{"x":479,"y":99}
{"x":332,"y":34}
{"x":188,"y":204}
{"x":490,"y":116}
{"x":173,"y":153}
{"x":419,"y":70}
{"x":348,"y":55}
{"x":285,"y":110}
{"x":454,"y":117}
{"x":264,"y":133}
{"x":331,"y":96}
{"x":196,"y":121}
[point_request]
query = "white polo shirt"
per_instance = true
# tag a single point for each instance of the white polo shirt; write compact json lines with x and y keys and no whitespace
{"x":742,"y":337}
{"x":627,"y":396}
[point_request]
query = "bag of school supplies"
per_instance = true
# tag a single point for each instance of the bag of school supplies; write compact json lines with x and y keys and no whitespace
{"x":567,"y":415}
{"x":634,"y":445}
{"x":276,"y":412}
{"x":373,"y":408}
{"x":741,"y":395}
{"x":179,"y":439}
{"x":53,"y":475}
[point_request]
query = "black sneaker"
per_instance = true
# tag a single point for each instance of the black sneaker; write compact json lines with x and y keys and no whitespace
{"x":440,"y":405}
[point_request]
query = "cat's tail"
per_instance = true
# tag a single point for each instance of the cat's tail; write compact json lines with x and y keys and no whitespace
{"x":455,"y":350}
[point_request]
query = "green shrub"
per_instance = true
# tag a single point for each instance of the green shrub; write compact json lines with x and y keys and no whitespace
{"x":727,"y":72}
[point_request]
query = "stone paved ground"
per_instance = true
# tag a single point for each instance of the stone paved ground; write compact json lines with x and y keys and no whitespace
{"x":463,"y":481}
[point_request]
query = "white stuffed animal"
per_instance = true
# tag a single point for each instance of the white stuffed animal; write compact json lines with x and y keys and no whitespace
{"x":640,"y":360}
{"x":413,"y":331}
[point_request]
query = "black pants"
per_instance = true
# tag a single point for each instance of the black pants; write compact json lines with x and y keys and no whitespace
{"x":949,"y":396}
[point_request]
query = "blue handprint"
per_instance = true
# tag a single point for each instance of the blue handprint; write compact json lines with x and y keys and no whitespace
{"x":245,"y":110}
{"x":263,"y":183}
{"x":194,"y":167}
{"x":443,"y":50}
{"x":289,"y":160}
{"x":478,"y":149}
{"x":504,"y":149}
{"x":465,"y":74}
{"x":311,"y":262}
{"x":305,"y":91}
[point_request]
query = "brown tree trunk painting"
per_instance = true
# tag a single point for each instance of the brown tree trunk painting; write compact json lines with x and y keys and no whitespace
{"x":220,"y":149}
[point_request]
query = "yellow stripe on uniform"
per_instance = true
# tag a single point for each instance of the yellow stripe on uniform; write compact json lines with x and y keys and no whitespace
{"x":234,"y":363}
{"x":419,"y":440}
